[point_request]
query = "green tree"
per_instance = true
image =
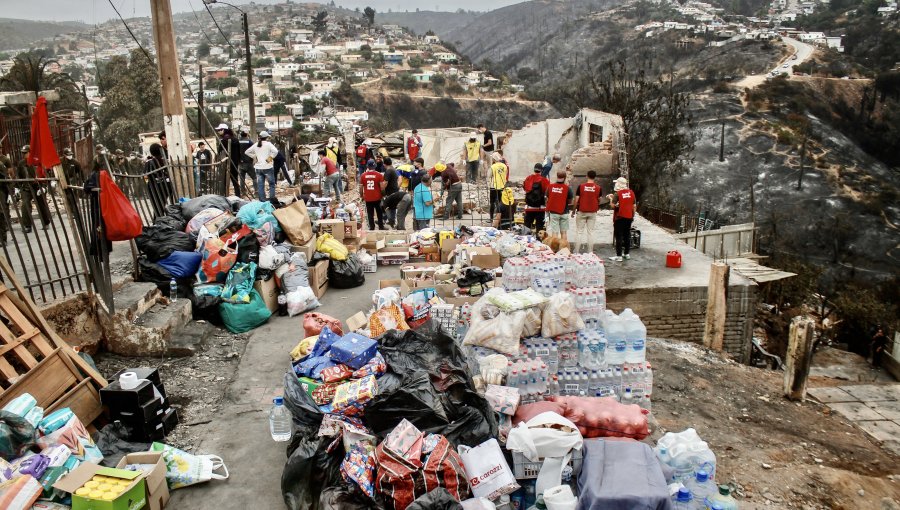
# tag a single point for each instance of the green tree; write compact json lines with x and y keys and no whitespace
{"x":310,"y":107}
{"x":370,"y":15}
{"x":366,"y":52}
{"x":132,"y":103}
{"x":277,"y":109}
{"x":203,"y":49}
{"x":30,"y":72}
{"x":320,"y":21}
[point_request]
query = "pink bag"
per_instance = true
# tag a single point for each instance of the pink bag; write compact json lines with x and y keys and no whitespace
{"x":594,"y":416}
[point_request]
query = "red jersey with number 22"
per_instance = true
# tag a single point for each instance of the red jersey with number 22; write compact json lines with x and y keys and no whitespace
{"x":371,"y":185}
{"x":626,"y":204}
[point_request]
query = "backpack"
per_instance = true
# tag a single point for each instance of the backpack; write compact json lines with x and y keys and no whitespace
{"x":535,"y":196}
{"x":507,"y":197}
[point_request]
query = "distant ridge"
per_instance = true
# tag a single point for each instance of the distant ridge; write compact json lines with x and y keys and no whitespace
{"x":21,"y":33}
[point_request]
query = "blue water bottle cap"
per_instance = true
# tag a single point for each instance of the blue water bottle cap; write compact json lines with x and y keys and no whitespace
{"x":717,"y":506}
{"x":279,"y":401}
{"x":702,"y":476}
{"x":684,"y":495}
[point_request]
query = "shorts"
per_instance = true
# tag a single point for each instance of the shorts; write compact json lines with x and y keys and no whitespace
{"x":559,"y":223}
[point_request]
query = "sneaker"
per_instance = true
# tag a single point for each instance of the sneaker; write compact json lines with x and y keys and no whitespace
{"x":626,"y":257}
{"x":615,"y":258}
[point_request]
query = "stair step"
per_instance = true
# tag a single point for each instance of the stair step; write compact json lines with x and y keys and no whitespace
{"x":151,"y":332}
{"x":135,"y":298}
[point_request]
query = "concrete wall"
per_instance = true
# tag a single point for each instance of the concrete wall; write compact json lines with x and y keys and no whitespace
{"x":680,"y":313}
{"x":728,"y":241}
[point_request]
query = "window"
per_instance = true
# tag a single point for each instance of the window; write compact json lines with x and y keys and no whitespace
{"x":595,"y":133}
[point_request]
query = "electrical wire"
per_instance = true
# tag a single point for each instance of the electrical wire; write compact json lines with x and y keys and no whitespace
{"x":220,"y":28}
{"x":200,"y":25}
{"x":183,"y":81}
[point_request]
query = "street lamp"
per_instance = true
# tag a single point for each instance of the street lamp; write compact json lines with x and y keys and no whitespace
{"x":251,"y":101}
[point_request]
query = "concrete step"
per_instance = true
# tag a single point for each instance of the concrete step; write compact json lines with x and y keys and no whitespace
{"x":134,"y":299}
{"x":145,"y":323}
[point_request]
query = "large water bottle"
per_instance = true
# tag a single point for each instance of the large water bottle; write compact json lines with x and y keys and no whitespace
{"x":683,"y":499}
{"x":615,"y":336}
{"x":280,"y":421}
{"x":723,"y":499}
{"x":636,"y":340}
{"x":702,"y":487}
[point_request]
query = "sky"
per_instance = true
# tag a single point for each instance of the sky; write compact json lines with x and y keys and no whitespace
{"x":93,"y":11}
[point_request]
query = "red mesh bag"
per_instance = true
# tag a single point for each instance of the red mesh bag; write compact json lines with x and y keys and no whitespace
{"x":314,"y":322}
{"x":594,"y":416}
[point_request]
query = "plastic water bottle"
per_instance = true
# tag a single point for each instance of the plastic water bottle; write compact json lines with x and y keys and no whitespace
{"x":723,"y":499}
{"x":615,"y":336}
{"x":173,"y":290}
{"x":280,"y":421}
{"x":702,"y":487}
{"x":636,"y":338}
{"x":683,"y":499}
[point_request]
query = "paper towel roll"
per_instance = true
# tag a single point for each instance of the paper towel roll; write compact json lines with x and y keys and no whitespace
{"x":129,"y":381}
{"x":560,"y":498}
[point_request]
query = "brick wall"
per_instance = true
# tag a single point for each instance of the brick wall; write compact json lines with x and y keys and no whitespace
{"x":680,"y":313}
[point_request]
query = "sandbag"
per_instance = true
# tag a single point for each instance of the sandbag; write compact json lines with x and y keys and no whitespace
{"x":193,"y":207}
{"x":330,"y":246}
{"x":240,"y":318}
{"x":346,"y":274}
{"x":295,"y":222}
{"x":159,"y":241}
{"x":182,"y":264}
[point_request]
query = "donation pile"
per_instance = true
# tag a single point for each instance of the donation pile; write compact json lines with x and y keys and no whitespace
{"x":239,"y":262}
{"x":532,"y":395}
{"x":508,"y":243}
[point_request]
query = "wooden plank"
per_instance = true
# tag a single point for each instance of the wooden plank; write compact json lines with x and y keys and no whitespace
{"x":24,"y":323}
{"x":716,"y":306}
{"x":49,"y":380}
{"x":8,"y":337}
{"x":83,"y":400}
{"x":7,"y":371}
{"x":24,"y":302}
{"x":799,"y":357}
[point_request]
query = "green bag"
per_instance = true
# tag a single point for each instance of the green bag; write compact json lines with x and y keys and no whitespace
{"x":242,"y":317}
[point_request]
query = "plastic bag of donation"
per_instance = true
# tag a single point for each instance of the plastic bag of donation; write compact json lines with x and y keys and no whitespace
{"x":183,"y":468}
{"x":489,"y":474}
{"x":301,"y":300}
{"x":332,"y":247}
{"x":494,"y":329}
{"x":560,"y":316}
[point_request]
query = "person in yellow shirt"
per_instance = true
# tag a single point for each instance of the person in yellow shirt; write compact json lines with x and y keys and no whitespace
{"x":472,"y":154}
{"x":499,"y":177}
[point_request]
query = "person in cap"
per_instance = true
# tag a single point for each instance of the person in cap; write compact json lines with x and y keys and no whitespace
{"x":535,"y":187}
{"x":559,"y":196}
{"x":263,"y":153}
{"x":100,"y":155}
{"x":413,"y":145}
{"x":499,"y":178}
{"x":472,"y":154}
{"x":623,"y":202}
{"x":72,"y":168}
{"x":548,"y":164}
{"x":159,"y":186}
{"x":372,"y":184}
{"x":32,"y":191}
{"x":587,"y":203}
{"x":7,"y":171}
{"x":120,"y":162}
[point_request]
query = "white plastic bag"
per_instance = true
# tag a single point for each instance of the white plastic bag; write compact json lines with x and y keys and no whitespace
{"x":494,"y":329}
{"x":301,"y":300}
{"x":183,"y":468}
{"x":560,"y":316}
{"x":486,"y":468}
{"x":269,"y":258}
{"x":532,"y":325}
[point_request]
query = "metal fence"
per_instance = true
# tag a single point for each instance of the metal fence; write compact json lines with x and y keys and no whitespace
{"x":678,"y":221}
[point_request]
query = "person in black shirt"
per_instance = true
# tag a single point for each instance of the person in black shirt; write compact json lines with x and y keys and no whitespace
{"x":488,"y":144}
{"x":392,"y":186}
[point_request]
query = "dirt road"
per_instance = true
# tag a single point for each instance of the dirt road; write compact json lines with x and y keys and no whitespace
{"x":801,"y":53}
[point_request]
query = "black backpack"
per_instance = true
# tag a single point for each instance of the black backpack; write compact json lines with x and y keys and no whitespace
{"x":535,"y":196}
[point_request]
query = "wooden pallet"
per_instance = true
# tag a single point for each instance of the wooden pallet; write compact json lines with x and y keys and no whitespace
{"x":35,"y":360}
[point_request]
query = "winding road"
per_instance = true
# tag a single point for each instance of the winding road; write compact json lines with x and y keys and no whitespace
{"x":802,"y":52}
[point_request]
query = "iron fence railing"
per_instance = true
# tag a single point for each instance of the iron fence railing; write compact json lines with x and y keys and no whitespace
{"x":678,"y":221}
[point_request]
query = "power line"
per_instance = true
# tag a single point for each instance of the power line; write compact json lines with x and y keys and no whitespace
{"x":200,"y":25}
{"x":220,"y":28}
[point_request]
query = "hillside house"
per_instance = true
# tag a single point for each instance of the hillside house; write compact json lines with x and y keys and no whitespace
{"x":445,"y":56}
{"x":393,"y":57}
{"x":431,"y":39}
{"x":351,"y":58}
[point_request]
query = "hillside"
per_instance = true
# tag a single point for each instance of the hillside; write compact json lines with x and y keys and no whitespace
{"x":20,"y":33}
{"x":445,"y":25}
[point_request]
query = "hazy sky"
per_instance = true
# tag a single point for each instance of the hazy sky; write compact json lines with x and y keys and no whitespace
{"x":92,"y":11}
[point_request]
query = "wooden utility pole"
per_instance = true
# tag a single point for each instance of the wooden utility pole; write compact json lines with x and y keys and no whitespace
{"x":722,"y":143}
{"x":716,"y":306}
{"x":802,"y":161}
{"x":172,"y":98}
{"x":350,"y":147}
{"x":799,"y":357}
{"x":200,"y":104}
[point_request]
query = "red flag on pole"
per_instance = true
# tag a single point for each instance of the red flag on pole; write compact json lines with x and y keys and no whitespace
{"x":43,"y":154}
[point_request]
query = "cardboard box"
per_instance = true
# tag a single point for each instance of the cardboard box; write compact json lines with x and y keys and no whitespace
{"x":396,"y":240}
{"x":383,"y":284}
{"x":318,"y":277}
{"x":373,"y":242}
{"x":333,"y":227}
{"x":447,"y":248}
{"x":353,"y":244}
{"x":351,"y":230}
{"x":134,"y":497}
{"x":157,"y":488}
{"x":269,"y":292}
{"x":309,"y":249}
{"x":484,"y":257}
{"x":393,"y":255}
{"x":357,"y":321}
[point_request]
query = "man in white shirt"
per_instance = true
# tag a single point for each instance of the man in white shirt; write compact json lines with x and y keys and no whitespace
{"x":263,"y":154}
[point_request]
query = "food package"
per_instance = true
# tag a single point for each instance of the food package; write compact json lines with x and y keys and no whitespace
{"x":532,"y":325}
{"x":336,"y":373}
{"x":603,"y":417}
{"x":321,"y":393}
{"x":512,"y":301}
{"x":359,"y":467}
{"x":386,"y":318}
{"x":405,"y":441}
{"x":351,"y":397}
{"x":353,"y":350}
{"x":503,"y":399}
{"x":312,"y":366}
{"x":376,"y":366}
{"x":560,"y":316}
{"x":494,"y":329}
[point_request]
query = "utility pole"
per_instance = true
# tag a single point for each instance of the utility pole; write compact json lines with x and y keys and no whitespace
{"x":802,"y":161}
{"x":172,"y":98}
{"x":722,"y":143}
{"x":200,"y":105}
{"x":251,"y":98}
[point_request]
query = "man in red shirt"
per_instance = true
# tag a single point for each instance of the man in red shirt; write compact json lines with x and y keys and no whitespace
{"x":332,"y":176}
{"x":587,"y":203}
{"x":623,"y":215}
{"x":413,"y":145}
{"x":372,"y":183}
{"x":559,"y":196}
{"x":535,"y":187}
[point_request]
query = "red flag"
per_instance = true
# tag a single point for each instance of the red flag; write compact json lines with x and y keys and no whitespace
{"x":43,"y":154}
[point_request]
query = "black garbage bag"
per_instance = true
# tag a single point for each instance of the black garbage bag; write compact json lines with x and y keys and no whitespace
{"x":113,"y":441}
{"x":318,"y":256}
{"x":193,"y":206}
{"x":159,"y":241}
{"x":309,"y":469}
{"x":248,"y":249}
{"x":347,"y":497}
{"x":173,"y":222}
{"x":155,"y":273}
{"x":346,"y":274}
{"x":435,"y":390}
{"x":306,"y":414}
{"x":18,"y":436}
{"x":438,"y":499}
{"x":206,"y":308}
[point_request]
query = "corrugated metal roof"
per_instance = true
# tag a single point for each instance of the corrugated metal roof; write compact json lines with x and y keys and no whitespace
{"x":757,"y":272}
